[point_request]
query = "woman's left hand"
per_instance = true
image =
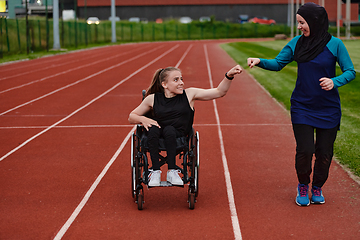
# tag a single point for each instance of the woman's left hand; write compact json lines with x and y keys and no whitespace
{"x":326,"y":83}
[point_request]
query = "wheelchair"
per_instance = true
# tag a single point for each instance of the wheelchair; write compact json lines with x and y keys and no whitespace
{"x":187,"y":150}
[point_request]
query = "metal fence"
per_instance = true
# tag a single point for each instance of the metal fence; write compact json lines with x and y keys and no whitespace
{"x":22,"y":36}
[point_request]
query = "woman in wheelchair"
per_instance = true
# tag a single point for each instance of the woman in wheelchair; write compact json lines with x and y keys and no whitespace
{"x":167,"y":111}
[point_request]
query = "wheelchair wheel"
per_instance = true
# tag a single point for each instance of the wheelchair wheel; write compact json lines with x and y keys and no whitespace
{"x":193,"y":165}
{"x":133,"y":164}
{"x":191,"y":200}
{"x":140,"y":200}
{"x":196,"y":165}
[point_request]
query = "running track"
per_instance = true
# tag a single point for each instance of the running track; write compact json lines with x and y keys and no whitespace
{"x":65,"y":154}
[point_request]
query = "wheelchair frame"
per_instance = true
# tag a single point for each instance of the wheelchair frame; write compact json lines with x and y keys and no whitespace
{"x":189,"y":153}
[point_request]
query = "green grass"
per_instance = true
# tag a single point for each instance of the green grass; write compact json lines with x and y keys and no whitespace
{"x":281,"y":84}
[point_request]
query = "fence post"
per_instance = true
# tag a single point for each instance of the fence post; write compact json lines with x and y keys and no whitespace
{"x":88,"y":27}
{"x":32,"y":35}
{"x":177,"y":32}
{"x":39,"y":27}
{"x":7,"y":35}
{"x":18,"y":33}
{"x":96,"y":33}
{"x":164,"y":31}
{"x":241,"y":30}
{"x":76,"y":33}
{"x":69,"y":23}
{"x":27,"y":28}
{"x":227,"y":30}
{"x":62,"y":33}
{"x":188,"y":31}
{"x":104,"y":32}
{"x":80,"y":33}
{"x":47,"y":25}
{"x":131,"y":32}
{"x":142,"y":32}
{"x":1,"y":38}
{"x":153,"y":31}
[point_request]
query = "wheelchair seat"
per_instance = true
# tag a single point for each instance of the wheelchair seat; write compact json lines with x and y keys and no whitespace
{"x":182,"y":143}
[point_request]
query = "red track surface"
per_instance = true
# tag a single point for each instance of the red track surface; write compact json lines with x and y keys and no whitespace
{"x":63,"y":120}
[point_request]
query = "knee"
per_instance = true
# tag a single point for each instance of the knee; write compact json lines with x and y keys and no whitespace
{"x":305,"y":151}
{"x":154,"y":132}
{"x":169,"y":132}
{"x":324,"y":155}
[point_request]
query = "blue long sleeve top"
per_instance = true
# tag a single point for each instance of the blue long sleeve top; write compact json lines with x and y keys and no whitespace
{"x":310,"y":104}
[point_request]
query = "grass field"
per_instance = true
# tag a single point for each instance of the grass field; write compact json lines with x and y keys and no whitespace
{"x":281,"y":84}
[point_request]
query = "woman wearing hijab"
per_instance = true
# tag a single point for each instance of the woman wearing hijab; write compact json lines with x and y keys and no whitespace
{"x":315,"y":101}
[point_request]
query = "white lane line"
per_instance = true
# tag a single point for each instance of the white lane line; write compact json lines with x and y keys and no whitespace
{"x":52,"y":59}
{"x":49,"y":66}
{"x":86,"y":105}
{"x":230,"y":193}
{"x":76,"y":212}
{"x":65,"y":72}
{"x":183,"y":56}
{"x":79,"y":81}
{"x":128,"y":125}
{"x":74,"y":126}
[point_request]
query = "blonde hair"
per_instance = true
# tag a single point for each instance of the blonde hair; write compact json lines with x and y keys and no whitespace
{"x":160,"y":76}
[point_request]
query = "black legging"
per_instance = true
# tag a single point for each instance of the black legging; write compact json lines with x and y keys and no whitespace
{"x":305,"y":148}
{"x":169,"y":133}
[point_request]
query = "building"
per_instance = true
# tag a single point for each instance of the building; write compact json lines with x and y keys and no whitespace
{"x":223,"y":10}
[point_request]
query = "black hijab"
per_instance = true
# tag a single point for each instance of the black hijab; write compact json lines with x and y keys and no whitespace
{"x":307,"y":48}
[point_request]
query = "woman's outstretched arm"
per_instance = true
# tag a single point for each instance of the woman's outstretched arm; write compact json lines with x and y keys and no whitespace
{"x":213,"y":93}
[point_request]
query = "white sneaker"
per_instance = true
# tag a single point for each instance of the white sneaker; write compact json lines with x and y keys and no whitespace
{"x":174,"y":178}
{"x":154,"y":178}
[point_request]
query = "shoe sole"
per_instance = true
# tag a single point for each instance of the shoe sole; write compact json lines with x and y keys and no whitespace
{"x":312,"y":202}
{"x":152,"y":185}
{"x":302,"y":205}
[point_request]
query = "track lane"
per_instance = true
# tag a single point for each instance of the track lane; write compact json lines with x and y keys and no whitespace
{"x":50,"y":177}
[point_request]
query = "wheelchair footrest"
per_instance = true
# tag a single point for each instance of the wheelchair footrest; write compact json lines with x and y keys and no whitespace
{"x":167,"y":184}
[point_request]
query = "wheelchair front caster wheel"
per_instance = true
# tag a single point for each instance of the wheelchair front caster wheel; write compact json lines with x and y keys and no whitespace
{"x":140,"y":201}
{"x":191,"y":200}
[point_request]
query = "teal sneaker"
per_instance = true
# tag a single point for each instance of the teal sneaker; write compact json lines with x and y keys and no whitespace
{"x":302,"y":198}
{"x":317,"y":196}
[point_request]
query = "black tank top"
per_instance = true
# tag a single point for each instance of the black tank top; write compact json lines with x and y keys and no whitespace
{"x":175,"y":111}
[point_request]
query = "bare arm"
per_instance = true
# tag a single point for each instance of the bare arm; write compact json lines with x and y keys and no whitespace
{"x":137,"y":115}
{"x":219,"y":91}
